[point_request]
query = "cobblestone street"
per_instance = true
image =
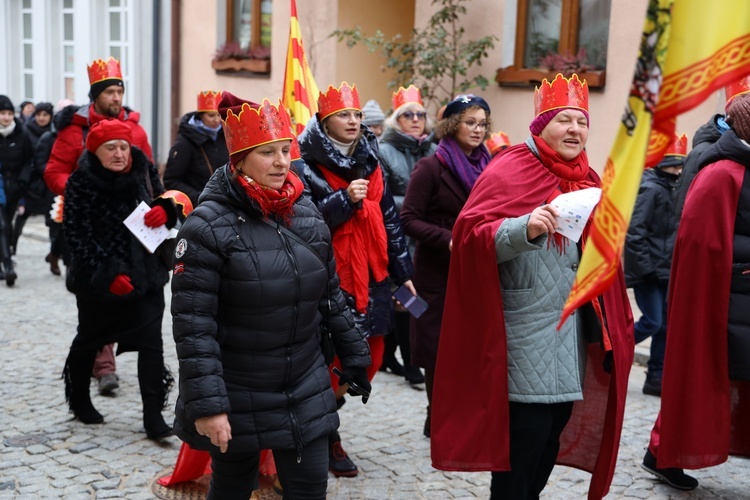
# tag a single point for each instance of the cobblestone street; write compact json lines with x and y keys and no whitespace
{"x":46,"y":454}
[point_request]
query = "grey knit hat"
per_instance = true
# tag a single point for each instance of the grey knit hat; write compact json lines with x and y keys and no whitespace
{"x":373,"y":114}
{"x":738,"y":116}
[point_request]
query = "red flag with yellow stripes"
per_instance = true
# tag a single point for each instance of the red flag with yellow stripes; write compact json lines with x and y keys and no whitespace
{"x":300,"y":91}
{"x":689,"y":49}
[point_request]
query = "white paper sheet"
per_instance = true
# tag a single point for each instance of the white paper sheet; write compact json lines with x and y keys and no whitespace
{"x":150,"y":237}
{"x":575,"y":209}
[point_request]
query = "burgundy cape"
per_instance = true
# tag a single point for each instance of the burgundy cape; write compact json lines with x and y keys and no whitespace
{"x":470,"y":401}
{"x":704,"y":416}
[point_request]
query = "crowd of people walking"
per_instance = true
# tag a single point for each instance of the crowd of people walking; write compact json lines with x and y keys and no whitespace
{"x":290,"y":251}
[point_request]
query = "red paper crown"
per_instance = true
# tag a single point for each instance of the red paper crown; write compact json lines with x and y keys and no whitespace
{"x":104,"y":70}
{"x":678,"y":146}
{"x":208,"y":100}
{"x":734,"y":89}
{"x":294,"y":151}
{"x":561,"y":93}
{"x":406,"y":95}
{"x":338,"y":99}
{"x":254,"y":127}
{"x":497,"y":142}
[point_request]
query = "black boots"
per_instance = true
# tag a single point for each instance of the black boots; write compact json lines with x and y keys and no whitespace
{"x":77,"y":375}
{"x":155,"y":382}
{"x":674,"y":477}
{"x":652,"y":386}
{"x":339,"y":462}
{"x":54,"y":266}
{"x":9,"y":273}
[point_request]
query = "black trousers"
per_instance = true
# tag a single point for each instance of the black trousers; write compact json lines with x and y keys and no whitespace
{"x":534,"y":442}
{"x":235,"y":475}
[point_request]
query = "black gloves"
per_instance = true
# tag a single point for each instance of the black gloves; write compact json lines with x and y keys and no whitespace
{"x":356,"y":377}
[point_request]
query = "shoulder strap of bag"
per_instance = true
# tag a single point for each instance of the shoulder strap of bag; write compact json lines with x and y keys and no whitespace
{"x":208,"y":162}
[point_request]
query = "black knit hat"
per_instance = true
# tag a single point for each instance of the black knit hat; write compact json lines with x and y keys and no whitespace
{"x":463,"y":101}
{"x":738,"y":116}
{"x":44,"y":106}
{"x":99,"y":87}
{"x":6,"y":104}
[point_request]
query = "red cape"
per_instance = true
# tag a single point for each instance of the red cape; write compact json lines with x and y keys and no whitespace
{"x":470,"y":401}
{"x":704,"y":416}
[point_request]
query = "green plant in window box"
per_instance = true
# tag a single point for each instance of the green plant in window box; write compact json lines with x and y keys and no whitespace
{"x":232,"y":57}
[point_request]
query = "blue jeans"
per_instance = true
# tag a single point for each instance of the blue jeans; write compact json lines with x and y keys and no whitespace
{"x":652,"y":301}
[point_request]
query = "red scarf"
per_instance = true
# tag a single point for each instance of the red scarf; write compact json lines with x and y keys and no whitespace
{"x":279,"y":202}
{"x":360,"y":244}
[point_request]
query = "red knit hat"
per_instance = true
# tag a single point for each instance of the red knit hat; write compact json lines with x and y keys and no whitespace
{"x":107,"y":130}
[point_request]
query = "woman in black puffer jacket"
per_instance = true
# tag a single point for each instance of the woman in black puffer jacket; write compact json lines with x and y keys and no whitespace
{"x":254,"y":276}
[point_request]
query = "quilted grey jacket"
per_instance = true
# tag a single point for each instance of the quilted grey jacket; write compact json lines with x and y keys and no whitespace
{"x":544,"y":365}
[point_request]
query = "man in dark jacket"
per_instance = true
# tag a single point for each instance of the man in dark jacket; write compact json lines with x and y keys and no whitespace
{"x":648,"y":256}
{"x":106,"y":93}
{"x":15,"y":165}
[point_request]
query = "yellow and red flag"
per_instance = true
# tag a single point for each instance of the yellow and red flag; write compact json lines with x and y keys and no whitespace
{"x":689,"y":49}
{"x":300,"y":91}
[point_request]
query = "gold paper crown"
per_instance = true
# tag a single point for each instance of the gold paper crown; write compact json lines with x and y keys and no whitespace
{"x":561,"y":93}
{"x":100,"y":70}
{"x":338,"y":99}
{"x":734,"y":89}
{"x":254,"y":127}
{"x":497,"y":142}
{"x":678,"y":146}
{"x":406,"y":95}
{"x":208,"y":100}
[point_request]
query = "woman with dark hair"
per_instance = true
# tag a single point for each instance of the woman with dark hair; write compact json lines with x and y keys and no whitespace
{"x":254,"y":278}
{"x":347,"y":185}
{"x":438,"y":189}
{"x":118,"y":283}
{"x":199,"y":148}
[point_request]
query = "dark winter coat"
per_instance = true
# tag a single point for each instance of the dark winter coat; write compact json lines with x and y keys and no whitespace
{"x":187,"y":170}
{"x":247,"y":302}
{"x":319,"y":152}
{"x":399,"y":153}
{"x":15,"y":162}
{"x":97,"y":201}
{"x":432,"y":203}
{"x":38,"y":196}
{"x":705,"y":136}
{"x":650,"y":239}
{"x":72,"y":126}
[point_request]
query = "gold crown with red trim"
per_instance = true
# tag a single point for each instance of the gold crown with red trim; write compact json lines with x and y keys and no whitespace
{"x":561,"y":93}
{"x":100,"y":70}
{"x":497,"y":142}
{"x":406,"y":95}
{"x":741,"y":86}
{"x":678,"y":147}
{"x":208,"y":100}
{"x":338,"y":99}
{"x":254,"y":127}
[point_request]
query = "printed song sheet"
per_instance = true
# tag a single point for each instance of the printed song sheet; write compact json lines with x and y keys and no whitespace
{"x":575,"y":209}
{"x":150,"y":237}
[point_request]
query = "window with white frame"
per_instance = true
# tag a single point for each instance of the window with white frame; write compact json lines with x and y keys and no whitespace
{"x":68,"y":47}
{"x":118,"y":36}
{"x":27,"y":54}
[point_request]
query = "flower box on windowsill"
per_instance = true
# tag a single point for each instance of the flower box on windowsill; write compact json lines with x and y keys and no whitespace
{"x":241,"y":65}
{"x":514,"y":77}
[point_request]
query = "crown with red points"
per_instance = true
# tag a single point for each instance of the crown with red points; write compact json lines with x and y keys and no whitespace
{"x":678,"y":147}
{"x":741,"y":86}
{"x":338,"y":99}
{"x":208,"y":100}
{"x":497,"y":142}
{"x":561,"y":93}
{"x":252,"y":127}
{"x":100,"y":70}
{"x":406,"y":95}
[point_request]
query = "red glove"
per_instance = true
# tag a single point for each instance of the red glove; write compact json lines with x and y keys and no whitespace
{"x":155,"y":217}
{"x":121,"y":284}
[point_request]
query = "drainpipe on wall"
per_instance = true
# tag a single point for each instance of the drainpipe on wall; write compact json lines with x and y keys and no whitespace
{"x":156,"y":87}
{"x":176,"y":56}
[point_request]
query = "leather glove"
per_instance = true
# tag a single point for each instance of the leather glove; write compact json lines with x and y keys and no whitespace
{"x":121,"y":285}
{"x":356,"y":376}
{"x":155,"y":217}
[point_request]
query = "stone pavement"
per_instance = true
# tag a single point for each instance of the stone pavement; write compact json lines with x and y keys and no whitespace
{"x":46,"y":454}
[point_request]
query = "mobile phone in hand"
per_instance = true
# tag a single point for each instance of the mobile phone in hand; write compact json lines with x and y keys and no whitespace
{"x":354,"y":387}
{"x":415,"y":304}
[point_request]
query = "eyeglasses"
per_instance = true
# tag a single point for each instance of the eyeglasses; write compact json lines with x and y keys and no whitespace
{"x":472,"y":125}
{"x":348,"y":115}
{"x":409,"y":115}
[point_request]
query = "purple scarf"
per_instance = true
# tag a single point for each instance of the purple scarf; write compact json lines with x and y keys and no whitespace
{"x":465,"y":168}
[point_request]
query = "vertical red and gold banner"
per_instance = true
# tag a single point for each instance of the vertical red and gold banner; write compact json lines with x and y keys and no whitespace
{"x":688,"y":50}
{"x":300,"y":91}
